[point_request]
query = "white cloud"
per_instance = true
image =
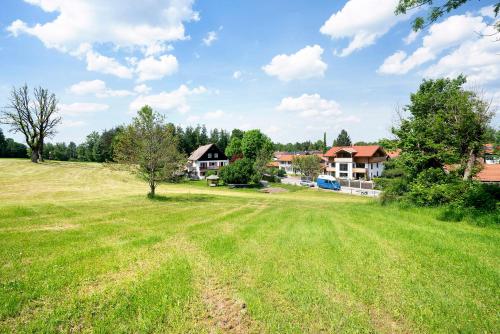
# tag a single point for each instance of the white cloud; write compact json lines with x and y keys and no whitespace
{"x":412,"y":36}
{"x":156,"y":48}
{"x":174,"y":100}
{"x":151,"y":68}
{"x":214,"y":114}
{"x":103,"y":64}
{"x":142,"y":89}
{"x":310,"y":105}
{"x":363,"y":21}
{"x":210,"y":38}
{"x":110,"y":21}
{"x":488,"y":11}
{"x":237,"y":75}
{"x":304,"y":64}
{"x":97,"y":88}
{"x":78,"y":108}
{"x":478,"y":59}
{"x":441,"y":36}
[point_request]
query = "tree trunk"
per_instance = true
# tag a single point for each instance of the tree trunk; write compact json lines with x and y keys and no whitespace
{"x":40,"y":150}
{"x":34,"y":155}
{"x":152,"y":187}
{"x":470,"y":165}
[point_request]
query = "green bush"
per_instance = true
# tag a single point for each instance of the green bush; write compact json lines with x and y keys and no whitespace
{"x":281,"y":172}
{"x":239,"y":172}
{"x":210,"y":172}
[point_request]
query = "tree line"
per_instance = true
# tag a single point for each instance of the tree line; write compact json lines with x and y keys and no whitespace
{"x":10,"y":148}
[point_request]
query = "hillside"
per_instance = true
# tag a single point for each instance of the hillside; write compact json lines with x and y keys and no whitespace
{"x":83,"y":249}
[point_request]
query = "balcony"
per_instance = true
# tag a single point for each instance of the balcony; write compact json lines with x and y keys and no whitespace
{"x":330,"y":169}
{"x":359,"y":170}
{"x":205,"y":168}
{"x":343,"y":160}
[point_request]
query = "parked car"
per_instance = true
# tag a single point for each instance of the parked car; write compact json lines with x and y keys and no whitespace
{"x":328,"y":182}
{"x":306,"y":183}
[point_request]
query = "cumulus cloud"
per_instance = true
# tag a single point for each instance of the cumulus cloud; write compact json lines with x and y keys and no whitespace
{"x":111,"y":21}
{"x":363,"y":22}
{"x":310,"y":105}
{"x":78,"y":108}
{"x":151,"y":68}
{"x":210,"y":38}
{"x":107,"y":65}
{"x":304,"y":64}
{"x":166,"y":101}
{"x":142,"y":89}
{"x":412,"y":36}
{"x":447,"y":34}
{"x":97,"y":88}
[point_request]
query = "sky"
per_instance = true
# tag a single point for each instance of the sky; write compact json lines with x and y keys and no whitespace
{"x":293,"y":69}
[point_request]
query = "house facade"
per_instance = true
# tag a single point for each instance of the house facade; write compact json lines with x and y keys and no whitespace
{"x":206,"y":158}
{"x":284,"y":161}
{"x":355,"y":162}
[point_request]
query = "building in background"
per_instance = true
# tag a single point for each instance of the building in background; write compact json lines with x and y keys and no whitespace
{"x":355,"y":162}
{"x":206,"y":158}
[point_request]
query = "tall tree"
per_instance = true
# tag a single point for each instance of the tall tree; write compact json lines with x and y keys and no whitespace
{"x":435,"y":11}
{"x":151,"y":147}
{"x":253,"y":142}
{"x":35,"y":118}
{"x":343,"y":139}
{"x":324,"y":142}
{"x":307,"y":165}
{"x":446,"y":125}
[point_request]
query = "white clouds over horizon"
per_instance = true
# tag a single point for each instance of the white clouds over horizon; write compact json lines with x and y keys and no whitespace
{"x":310,"y":105}
{"x":97,"y":88}
{"x":151,"y":68}
{"x":168,"y":101}
{"x":473,"y":51}
{"x":363,"y":22}
{"x":304,"y":64}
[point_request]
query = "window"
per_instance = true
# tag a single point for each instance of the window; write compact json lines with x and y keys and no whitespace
{"x":210,"y":155}
{"x":360,"y":165}
{"x":343,"y":174}
{"x":216,"y":155}
{"x":377,"y":164}
{"x":343,"y":167}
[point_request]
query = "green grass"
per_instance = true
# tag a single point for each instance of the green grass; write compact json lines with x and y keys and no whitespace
{"x":82,"y":249}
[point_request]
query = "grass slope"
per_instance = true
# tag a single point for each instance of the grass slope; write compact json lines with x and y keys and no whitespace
{"x":82,"y":249}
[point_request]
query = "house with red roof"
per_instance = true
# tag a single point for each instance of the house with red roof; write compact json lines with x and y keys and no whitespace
{"x":355,"y":162}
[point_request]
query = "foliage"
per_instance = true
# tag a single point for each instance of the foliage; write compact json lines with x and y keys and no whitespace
{"x":11,"y":149}
{"x":239,"y":172}
{"x":254,"y":143}
{"x":435,"y":12}
{"x":150,"y":145}
{"x":440,"y":142}
{"x":233,"y":148}
{"x":35,"y":117}
{"x":307,"y":165}
{"x":343,"y":139}
{"x":319,"y":145}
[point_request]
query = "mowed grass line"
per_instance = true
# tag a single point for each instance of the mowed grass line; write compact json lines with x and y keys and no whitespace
{"x":83,"y":250}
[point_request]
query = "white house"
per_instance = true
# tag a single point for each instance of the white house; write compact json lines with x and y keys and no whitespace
{"x":206,"y":158}
{"x":356,"y":162}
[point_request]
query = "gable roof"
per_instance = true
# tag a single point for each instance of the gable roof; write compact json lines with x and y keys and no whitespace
{"x":364,"y":151}
{"x":198,"y":153}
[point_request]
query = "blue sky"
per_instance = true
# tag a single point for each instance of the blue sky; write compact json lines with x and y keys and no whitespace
{"x":291,"y":68}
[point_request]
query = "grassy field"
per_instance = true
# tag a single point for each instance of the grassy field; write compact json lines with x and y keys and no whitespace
{"x":83,"y":250}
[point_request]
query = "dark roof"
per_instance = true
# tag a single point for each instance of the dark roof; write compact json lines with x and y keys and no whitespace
{"x":198,"y":153}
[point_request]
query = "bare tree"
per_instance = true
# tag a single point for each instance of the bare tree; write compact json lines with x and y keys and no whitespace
{"x":36,"y":119}
{"x":150,"y":147}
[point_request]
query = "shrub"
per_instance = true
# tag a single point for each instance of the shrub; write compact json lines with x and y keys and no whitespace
{"x":281,"y":173}
{"x":239,"y":172}
{"x":210,"y":172}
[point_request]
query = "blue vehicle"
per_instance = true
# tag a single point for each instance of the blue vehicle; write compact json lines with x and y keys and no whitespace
{"x":328,"y":182}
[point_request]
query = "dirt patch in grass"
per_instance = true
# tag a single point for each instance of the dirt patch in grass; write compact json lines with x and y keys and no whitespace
{"x":274,"y":190}
{"x":225,"y":313}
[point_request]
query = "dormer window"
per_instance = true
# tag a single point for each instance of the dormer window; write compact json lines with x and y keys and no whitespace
{"x":210,"y":155}
{"x":216,"y":155}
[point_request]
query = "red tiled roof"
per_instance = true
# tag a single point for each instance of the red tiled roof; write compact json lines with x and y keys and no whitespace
{"x":489,"y":173}
{"x":285,"y":157}
{"x":358,"y":151}
{"x":394,"y":154}
{"x":273,"y":164}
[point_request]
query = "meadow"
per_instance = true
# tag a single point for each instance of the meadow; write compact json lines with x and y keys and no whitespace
{"x":82,"y":249}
